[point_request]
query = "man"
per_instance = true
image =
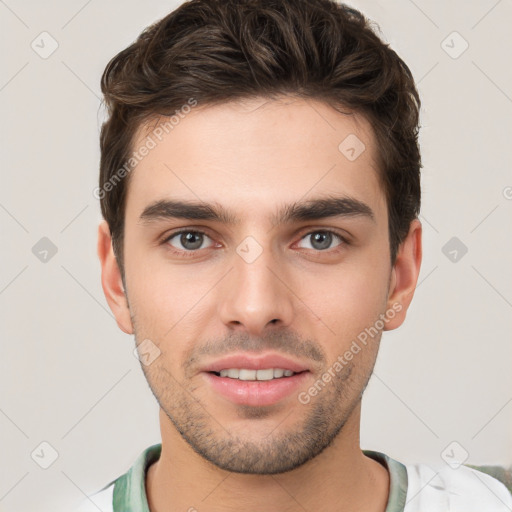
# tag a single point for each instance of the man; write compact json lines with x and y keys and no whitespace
{"x":260,"y":184}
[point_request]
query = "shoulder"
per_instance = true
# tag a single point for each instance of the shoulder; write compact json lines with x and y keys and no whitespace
{"x":128,"y":489}
{"x":501,"y":473}
{"x":100,"y":500}
{"x":464,"y":489}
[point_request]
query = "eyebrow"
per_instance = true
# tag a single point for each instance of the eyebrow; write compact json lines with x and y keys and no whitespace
{"x":314,"y":209}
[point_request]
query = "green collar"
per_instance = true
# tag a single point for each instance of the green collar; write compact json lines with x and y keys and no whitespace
{"x":130,"y":490}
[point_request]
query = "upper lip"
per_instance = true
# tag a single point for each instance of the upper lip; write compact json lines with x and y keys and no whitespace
{"x":260,"y":362}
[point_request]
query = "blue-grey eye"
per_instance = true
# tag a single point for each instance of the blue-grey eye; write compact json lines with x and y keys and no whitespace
{"x":321,"y":240}
{"x":189,"y":240}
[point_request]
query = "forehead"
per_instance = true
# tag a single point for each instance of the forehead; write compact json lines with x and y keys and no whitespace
{"x":253,"y":153}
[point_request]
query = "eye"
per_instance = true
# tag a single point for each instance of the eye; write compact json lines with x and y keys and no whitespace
{"x":191,"y":241}
{"x":188,"y":240}
{"x":322,"y":239}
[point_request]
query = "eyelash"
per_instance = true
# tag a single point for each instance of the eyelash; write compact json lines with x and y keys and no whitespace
{"x":192,"y":253}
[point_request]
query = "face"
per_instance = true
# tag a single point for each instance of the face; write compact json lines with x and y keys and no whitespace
{"x":253,"y":242}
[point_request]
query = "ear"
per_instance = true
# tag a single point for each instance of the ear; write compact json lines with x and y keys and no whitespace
{"x":404,"y":276}
{"x":111,"y":281}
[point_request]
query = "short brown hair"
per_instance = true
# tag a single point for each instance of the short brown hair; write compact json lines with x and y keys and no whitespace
{"x":220,"y":50}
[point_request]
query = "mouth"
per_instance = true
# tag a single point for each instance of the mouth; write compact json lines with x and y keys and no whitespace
{"x":256,"y":380}
{"x":256,"y":387}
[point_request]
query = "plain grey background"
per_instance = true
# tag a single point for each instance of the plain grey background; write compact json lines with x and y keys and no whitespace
{"x":68,"y":376}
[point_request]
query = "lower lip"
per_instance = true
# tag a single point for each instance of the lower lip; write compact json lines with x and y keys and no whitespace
{"x":256,"y":393}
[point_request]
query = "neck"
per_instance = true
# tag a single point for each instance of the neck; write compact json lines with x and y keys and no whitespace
{"x":340,"y":479}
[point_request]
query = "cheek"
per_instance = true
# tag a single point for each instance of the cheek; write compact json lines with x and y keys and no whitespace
{"x":166,"y":299}
{"x":350,"y":300}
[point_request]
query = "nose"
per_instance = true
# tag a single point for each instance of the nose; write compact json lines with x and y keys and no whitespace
{"x":256,"y":294}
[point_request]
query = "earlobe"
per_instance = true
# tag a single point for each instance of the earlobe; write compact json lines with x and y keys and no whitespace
{"x":111,"y":280}
{"x":404,"y":276}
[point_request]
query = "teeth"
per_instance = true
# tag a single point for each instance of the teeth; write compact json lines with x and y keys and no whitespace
{"x":266,"y":374}
{"x":247,"y":375}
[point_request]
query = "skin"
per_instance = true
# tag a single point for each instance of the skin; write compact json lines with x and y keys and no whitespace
{"x":295,"y":299}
